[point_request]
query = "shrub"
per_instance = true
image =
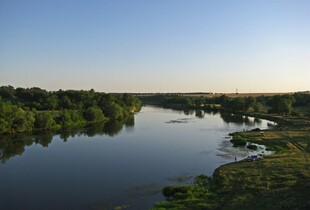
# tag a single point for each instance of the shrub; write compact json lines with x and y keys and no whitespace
{"x":252,"y":147}
{"x":175,"y":192}
{"x":238,"y":141}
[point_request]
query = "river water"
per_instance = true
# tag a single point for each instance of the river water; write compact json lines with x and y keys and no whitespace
{"x":118,"y":165}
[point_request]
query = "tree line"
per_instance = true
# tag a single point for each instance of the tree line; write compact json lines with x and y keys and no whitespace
{"x":277,"y":104}
{"x":35,"y":109}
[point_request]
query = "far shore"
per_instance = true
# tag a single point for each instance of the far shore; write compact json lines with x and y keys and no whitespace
{"x":207,"y":94}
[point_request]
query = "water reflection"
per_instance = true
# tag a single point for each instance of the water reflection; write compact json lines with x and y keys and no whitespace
{"x":258,"y":121}
{"x":113,"y":128}
{"x":126,"y":171}
{"x":185,"y":177}
{"x":199,"y":114}
{"x":189,"y":112}
{"x":44,"y":139}
{"x":144,"y":190}
{"x":12,"y":145}
{"x":240,"y":119}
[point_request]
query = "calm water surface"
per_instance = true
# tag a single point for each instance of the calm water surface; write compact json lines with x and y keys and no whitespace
{"x":125,"y":166}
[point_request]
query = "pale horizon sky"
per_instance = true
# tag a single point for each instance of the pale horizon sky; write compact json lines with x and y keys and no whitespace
{"x":156,"y":45}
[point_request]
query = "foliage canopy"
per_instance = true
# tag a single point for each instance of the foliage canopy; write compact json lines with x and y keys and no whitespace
{"x":24,"y":110}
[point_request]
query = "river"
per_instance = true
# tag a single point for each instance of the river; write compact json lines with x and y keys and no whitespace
{"x":119,"y":165}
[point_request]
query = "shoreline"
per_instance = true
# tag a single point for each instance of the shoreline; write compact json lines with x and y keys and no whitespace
{"x":243,"y":185}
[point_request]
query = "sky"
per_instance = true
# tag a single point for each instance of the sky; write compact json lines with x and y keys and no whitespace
{"x":156,"y":45}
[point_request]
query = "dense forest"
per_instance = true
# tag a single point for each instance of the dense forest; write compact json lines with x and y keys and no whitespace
{"x":29,"y":110}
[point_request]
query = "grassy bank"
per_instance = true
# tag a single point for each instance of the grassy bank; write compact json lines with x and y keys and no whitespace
{"x":279,"y":181}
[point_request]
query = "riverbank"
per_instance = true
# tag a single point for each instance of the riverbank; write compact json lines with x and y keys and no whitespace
{"x":35,"y":110}
{"x":279,"y":181}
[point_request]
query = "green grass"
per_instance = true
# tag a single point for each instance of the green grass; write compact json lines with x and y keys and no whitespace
{"x":279,"y":141}
{"x":197,"y":196}
{"x":279,"y":181}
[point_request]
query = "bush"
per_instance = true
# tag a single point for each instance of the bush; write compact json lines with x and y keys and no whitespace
{"x":238,"y":141}
{"x":94,"y":114}
{"x":175,"y":192}
{"x":252,"y":147}
{"x":202,"y":180}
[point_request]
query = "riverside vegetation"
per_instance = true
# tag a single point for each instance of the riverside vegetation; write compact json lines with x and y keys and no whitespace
{"x":35,"y":115}
{"x":279,"y":181}
{"x":34,"y":110}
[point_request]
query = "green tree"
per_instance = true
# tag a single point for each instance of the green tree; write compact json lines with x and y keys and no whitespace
{"x":45,"y":121}
{"x":94,"y":114}
{"x":23,"y":121}
{"x":113,"y":111}
{"x":66,"y":102}
{"x":258,"y":107}
{"x":249,"y":102}
{"x":238,"y":104}
{"x":131,"y":102}
{"x":65,"y":119}
{"x":281,"y":104}
{"x":7,"y":92}
{"x":286,"y":105}
{"x":71,"y":119}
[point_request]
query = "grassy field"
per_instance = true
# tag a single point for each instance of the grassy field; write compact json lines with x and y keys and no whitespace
{"x":278,"y":181}
{"x":279,"y":140}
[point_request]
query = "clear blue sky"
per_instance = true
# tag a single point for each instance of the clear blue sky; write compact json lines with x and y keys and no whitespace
{"x":156,"y":45}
